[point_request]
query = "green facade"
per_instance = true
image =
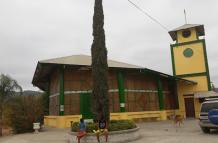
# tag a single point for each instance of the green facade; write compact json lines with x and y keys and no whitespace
{"x":85,"y":106}
{"x":160,"y":94}
{"x":120,"y":80}
{"x":61,"y":91}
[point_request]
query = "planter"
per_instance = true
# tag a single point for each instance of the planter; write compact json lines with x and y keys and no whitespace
{"x":36,"y":127}
{"x":114,"y":137}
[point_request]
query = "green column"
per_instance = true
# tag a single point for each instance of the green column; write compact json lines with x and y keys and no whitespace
{"x":160,"y":94}
{"x":61,"y":91}
{"x":120,"y":81}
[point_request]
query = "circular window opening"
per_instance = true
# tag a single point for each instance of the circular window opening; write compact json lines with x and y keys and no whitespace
{"x":186,"y":33}
{"x":188,"y":52}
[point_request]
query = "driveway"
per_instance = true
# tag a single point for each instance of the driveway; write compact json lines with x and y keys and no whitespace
{"x":167,"y":132}
{"x":152,"y":132}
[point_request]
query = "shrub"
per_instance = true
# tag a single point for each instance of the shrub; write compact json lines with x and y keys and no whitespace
{"x":75,"y":127}
{"x":121,"y":125}
{"x":115,"y":125}
{"x":91,"y":127}
{"x":24,"y":111}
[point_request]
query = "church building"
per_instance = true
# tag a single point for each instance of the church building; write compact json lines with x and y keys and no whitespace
{"x":135,"y":92}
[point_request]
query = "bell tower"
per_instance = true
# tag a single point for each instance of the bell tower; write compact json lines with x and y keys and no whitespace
{"x":189,"y":56}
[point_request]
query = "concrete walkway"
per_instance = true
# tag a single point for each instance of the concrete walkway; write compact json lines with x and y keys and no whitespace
{"x":152,"y":132}
{"x":47,"y":136}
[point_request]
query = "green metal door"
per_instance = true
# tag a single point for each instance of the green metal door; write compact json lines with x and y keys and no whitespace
{"x":85,"y":108}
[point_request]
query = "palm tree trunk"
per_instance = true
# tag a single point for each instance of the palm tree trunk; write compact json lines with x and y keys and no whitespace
{"x":100,"y":100}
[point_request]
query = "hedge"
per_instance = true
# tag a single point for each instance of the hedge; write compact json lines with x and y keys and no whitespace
{"x":114,"y":125}
{"x":22,"y":111}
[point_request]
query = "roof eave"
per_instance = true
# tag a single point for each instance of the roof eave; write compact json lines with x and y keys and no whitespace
{"x":169,"y":76}
{"x":199,"y":29}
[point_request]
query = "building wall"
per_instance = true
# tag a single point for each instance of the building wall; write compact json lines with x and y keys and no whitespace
{"x":140,"y":92}
{"x":54,"y":90}
{"x":75,"y":82}
{"x":113,"y":92}
{"x":194,"y":68}
{"x":181,"y":39}
{"x":184,"y":89}
{"x":197,"y":60}
{"x":140,"y":89}
{"x":170,"y":94}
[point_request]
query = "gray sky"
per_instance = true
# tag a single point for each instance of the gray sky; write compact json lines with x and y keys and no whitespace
{"x":32,"y":30}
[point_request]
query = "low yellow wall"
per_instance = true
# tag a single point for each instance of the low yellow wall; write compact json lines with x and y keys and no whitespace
{"x":61,"y":121}
{"x":65,"y":121}
{"x":135,"y":115}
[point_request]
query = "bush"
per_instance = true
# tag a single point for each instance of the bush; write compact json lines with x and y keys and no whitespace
{"x":23,"y":111}
{"x":115,"y":125}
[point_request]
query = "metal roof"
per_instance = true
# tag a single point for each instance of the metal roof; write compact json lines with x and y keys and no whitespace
{"x":204,"y":94}
{"x":199,"y":28}
{"x":85,"y":60}
{"x":45,"y":67}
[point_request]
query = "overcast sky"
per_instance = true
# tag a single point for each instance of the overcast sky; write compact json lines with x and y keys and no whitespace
{"x":33,"y":30}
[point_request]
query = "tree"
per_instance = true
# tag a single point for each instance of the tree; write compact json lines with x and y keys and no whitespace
{"x":8,"y":88}
{"x":100,"y":100}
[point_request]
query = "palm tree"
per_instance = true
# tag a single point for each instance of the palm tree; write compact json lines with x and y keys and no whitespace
{"x":8,"y":87}
{"x":100,"y":100}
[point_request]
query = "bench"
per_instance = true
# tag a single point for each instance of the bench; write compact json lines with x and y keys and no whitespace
{"x":80,"y":135}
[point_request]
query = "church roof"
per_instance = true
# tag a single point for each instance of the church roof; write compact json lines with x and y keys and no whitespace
{"x":85,"y":60}
{"x":199,"y":28}
{"x":205,"y":94}
{"x":45,"y":67}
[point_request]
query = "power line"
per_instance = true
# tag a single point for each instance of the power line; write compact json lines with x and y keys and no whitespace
{"x":148,"y":15}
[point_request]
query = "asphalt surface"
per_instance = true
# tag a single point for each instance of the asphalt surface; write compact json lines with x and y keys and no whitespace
{"x":152,"y":132}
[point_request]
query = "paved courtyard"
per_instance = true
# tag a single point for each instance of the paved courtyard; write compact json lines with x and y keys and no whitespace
{"x":166,"y":132}
{"x":152,"y":132}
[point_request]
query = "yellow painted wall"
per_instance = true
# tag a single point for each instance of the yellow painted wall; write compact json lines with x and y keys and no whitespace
{"x":181,"y":39}
{"x":185,"y":89}
{"x":194,"y":64}
{"x":61,"y":121}
{"x":201,"y":83}
{"x":65,"y":121}
{"x":190,"y":65}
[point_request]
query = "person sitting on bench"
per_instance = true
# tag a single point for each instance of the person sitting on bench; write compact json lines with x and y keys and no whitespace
{"x":82,"y":130}
{"x":102,"y":130}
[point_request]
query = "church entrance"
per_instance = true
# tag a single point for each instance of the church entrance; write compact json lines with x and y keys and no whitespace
{"x":189,"y":107}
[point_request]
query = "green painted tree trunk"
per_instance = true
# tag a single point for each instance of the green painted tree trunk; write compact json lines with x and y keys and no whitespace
{"x":100,"y":99}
